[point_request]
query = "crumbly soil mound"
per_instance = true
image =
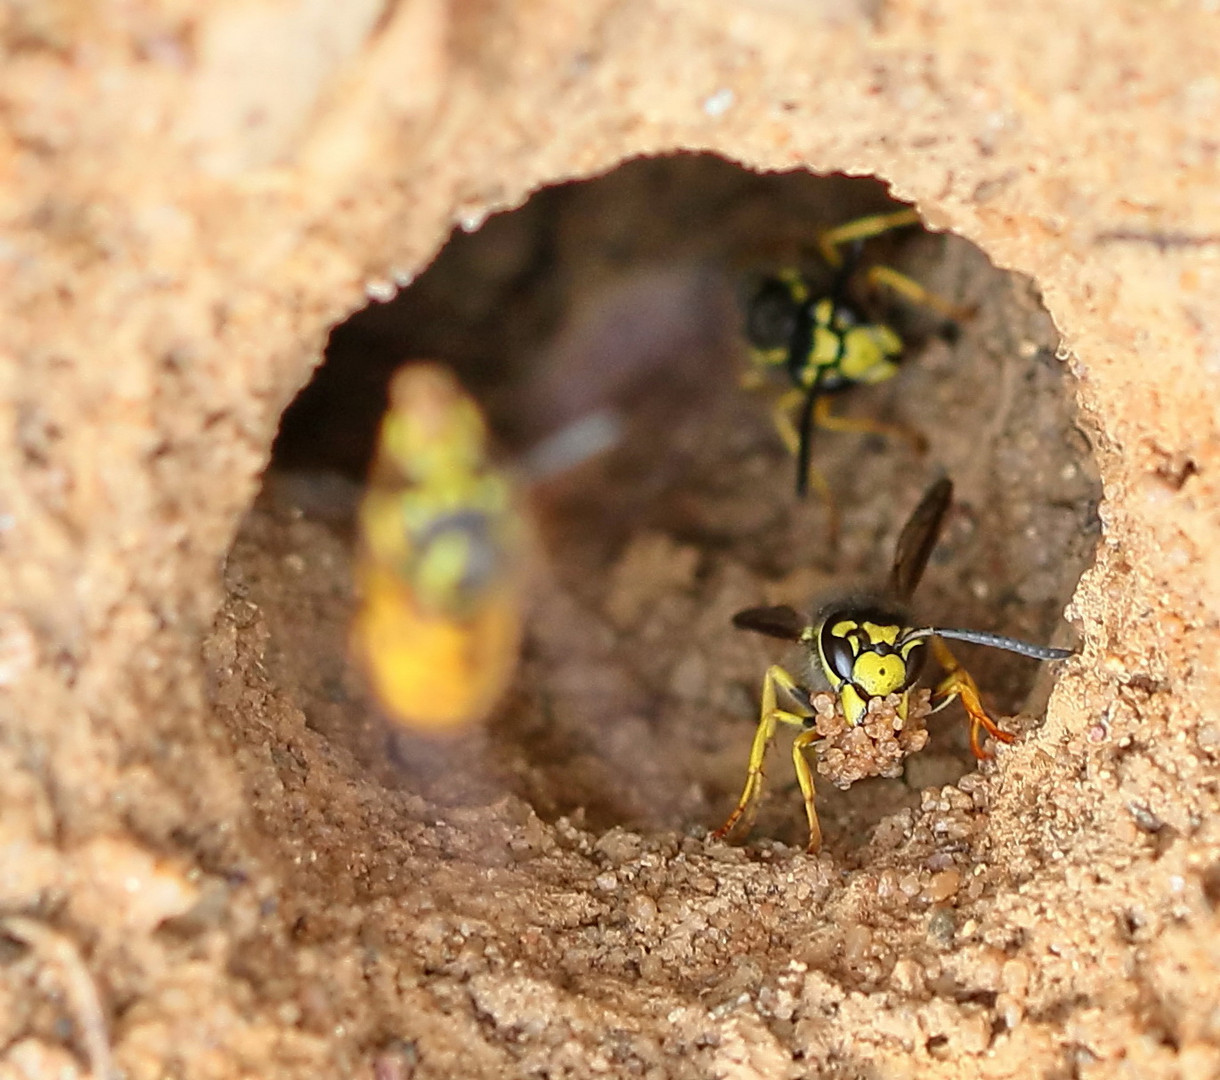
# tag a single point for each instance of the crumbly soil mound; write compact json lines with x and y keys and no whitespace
{"x":878,"y":746}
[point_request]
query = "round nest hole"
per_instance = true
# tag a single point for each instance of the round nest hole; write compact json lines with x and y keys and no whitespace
{"x":636,"y":699}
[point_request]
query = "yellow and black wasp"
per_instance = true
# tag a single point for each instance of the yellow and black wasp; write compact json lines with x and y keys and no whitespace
{"x":868,"y":647}
{"x":441,"y":567}
{"x":446,"y":545}
{"x":825,"y":344}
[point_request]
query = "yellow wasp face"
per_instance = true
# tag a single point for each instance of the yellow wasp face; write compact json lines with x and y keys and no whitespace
{"x":868,"y":654}
{"x":442,"y":557}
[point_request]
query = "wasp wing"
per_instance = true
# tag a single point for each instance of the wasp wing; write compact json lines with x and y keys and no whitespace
{"x":780,"y":621}
{"x":918,"y":538}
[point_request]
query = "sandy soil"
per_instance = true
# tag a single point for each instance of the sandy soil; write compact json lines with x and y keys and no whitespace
{"x":625,"y":736}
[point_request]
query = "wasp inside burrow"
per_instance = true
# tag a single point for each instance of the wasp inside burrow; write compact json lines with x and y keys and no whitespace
{"x":825,"y":342}
{"x":871,"y":653}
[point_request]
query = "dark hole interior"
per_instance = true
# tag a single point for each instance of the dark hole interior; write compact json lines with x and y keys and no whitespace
{"x":636,"y":699}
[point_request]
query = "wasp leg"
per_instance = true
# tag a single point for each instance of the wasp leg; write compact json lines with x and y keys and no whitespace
{"x":914,"y":292}
{"x":781,"y":415}
{"x":957,"y":683}
{"x":782,"y":418}
{"x":770,"y":714}
{"x":864,"y":228}
{"x":824,"y":418}
{"x":804,"y":776}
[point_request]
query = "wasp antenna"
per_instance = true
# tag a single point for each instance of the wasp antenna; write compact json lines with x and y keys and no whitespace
{"x":998,"y":641}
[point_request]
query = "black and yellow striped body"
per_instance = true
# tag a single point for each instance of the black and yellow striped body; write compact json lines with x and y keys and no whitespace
{"x":821,"y":346}
{"x":442,"y":560}
{"x":825,"y":343}
{"x":819,"y":342}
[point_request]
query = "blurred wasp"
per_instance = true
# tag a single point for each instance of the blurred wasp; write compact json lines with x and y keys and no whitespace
{"x":826,"y":344}
{"x":441,"y":565}
{"x":445,"y":547}
{"x":868,"y":647}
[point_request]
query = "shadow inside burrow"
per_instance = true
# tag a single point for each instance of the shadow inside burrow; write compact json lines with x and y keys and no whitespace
{"x":636,"y":699}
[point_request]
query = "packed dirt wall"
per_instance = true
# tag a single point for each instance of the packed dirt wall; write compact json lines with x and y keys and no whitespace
{"x":208,"y":867}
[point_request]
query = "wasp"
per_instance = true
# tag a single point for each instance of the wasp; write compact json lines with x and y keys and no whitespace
{"x":826,"y":344}
{"x":446,"y":545}
{"x":868,"y":648}
{"x":442,"y":558}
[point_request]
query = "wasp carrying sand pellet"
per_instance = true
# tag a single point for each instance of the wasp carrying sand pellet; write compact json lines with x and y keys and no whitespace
{"x":872,"y":654}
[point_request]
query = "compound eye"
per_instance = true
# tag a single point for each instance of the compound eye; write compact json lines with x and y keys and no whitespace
{"x":916,"y":657}
{"x":839,"y":653}
{"x":771,"y":318}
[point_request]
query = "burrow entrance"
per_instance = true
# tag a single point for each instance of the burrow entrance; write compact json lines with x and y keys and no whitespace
{"x":636,"y":699}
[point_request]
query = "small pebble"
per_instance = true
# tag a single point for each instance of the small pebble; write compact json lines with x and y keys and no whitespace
{"x":943,"y":886}
{"x":942,"y":926}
